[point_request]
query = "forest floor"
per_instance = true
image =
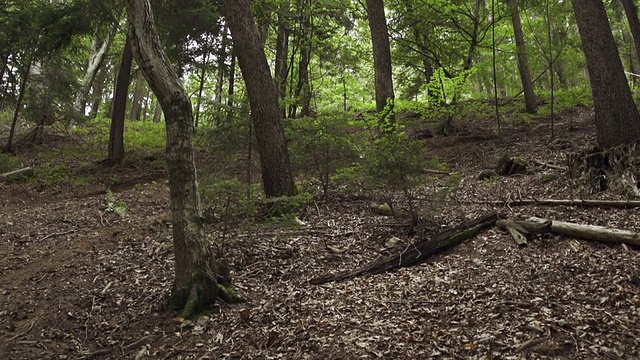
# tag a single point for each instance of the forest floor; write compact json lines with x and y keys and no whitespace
{"x":79,"y":281}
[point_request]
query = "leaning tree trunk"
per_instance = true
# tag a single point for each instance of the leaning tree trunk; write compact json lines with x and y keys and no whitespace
{"x":523,"y":60}
{"x":8,"y":147}
{"x":99,"y":51}
{"x":381,"y":59}
{"x":116,"y":132}
{"x":196,"y":285}
{"x":277,"y":177}
{"x":617,"y":118}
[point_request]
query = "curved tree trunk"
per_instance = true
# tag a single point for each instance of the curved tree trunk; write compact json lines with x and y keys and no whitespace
{"x":617,"y":118}
{"x":523,"y":60}
{"x":381,"y":59}
{"x":277,"y":177}
{"x":196,"y":281}
{"x":116,"y":132}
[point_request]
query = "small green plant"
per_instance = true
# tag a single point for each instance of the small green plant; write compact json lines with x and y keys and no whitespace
{"x":116,"y":206}
{"x":320,"y":146}
{"x":286,"y":207}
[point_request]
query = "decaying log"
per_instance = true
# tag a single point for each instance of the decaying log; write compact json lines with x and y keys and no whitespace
{"x":16,"y":173}
{"x":592,"y":232}
{"x":521,"y":230}
{"x":417,"y":252}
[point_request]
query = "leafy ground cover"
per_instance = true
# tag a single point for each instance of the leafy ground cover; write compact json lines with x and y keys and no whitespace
{"x":84,"y":272}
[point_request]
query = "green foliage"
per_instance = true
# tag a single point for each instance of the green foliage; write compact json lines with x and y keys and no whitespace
{"x":284,"y":210}
{"x":320,"y":146}
{"x":116,"y":206}
{"x":145,"y":136}
{"x":395,"y":161}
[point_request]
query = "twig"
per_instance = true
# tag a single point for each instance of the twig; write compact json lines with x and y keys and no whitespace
{"x":57,"y":234}
{"x":23,"y":332}
{"x":531,"y":343}
{"x":550,"y":166}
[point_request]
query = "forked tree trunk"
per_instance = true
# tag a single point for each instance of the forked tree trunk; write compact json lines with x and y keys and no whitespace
{"x":617,"y":118}
{"x":116,"y":131}
{"x":277,"y":177}
{"x":523,"y":59}
{"x":196,"y":282}
{"x":381,"y":59}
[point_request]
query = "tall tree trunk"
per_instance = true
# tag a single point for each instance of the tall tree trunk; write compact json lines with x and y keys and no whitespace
{"x":136,"y":104}
{"x":99,"y":49}
{"x":475,"y":34}
{"x":116,"y":132}
{"x":617,"y":118}
{"x":8,"y":147}
{"x":98,"y":89}
{"x":558,"y":66}
{"x":277,"y":177}
{"x":282,"y":52}
{"x":157,"y":112}
{"x":232,"y":80}
{"x":634,"y":24}
{"x":203,"y":78}
{"x":222,"y":59}
{"x":381,"y":59}
{"x":523,"y":60}
{"x":196,"y":278}
{"x":303,"y":87}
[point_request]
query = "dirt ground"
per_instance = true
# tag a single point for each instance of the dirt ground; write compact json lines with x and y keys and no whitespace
{"x":78,"y":281}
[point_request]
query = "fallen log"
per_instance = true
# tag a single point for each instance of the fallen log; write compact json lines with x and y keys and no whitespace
{"x":521,"y":230}
{"x":619,"y":204}
{"x":16,"y":173}
{"x":591,"y":232}
{"x":417,"y":252}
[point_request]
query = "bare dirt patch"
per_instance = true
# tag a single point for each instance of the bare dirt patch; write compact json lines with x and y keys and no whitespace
{"x":78,"y":281}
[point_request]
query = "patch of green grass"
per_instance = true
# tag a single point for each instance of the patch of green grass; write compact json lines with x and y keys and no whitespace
{"x":8,"y":163}
{"x":83,"y":181}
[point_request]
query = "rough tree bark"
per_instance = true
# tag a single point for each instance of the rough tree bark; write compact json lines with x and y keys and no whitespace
{"x":523,"y":60}
{"x":617,"y":118}
{"x":277,"y":177}
{"x":196,"y":276}
{"x":381,"y":56}
{"x":116,"y":132}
